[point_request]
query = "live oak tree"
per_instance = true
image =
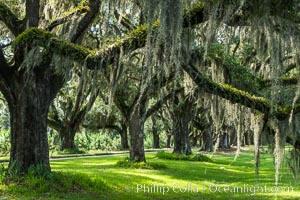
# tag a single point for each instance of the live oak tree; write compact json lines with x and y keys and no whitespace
{"x":30,"y":86}
{"x":31,"y":80}
{"x":71,"y":106}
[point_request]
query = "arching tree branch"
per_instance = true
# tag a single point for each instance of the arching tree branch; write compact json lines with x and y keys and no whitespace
{"x":86,"y":20}
{"x":64,"y":19}
{"x":238,"y":96}
{"x":93,"y":59}
{"x":15,"y":25}
{"x":161,"y":102}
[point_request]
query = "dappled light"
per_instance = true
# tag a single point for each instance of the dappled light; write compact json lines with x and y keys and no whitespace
{"x":149,"y":99}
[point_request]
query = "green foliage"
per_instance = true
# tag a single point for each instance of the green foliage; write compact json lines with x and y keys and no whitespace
{"x":106,"y":141}
{"x":4,"y":142}
{"x":241,"y":76}
{"x":39,"y":171}
{"x":61,"y":47}
{"x":194,"y":157}
{"x":2,"y":173}
{"x":126,"y":163}
{"x":32,"y":35}
{"x":88,"y":141}
{"x":14,"y":170}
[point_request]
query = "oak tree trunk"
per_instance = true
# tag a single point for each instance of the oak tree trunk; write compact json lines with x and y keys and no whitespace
{"x":181,"y":119}
{"x":207,"y":140}
{"x":224,"y":140}
{"x":168,"y":141}
{"x":124,"y":138}
{"x":136,"y":131}
{"x":29,"y":103}
{"x":67,"y":137}
{"x":155,"y":134}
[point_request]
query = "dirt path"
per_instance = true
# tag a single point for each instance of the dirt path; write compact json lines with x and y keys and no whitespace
{"x":65,"y":157}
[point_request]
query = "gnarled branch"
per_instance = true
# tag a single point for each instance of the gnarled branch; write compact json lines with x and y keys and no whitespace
{"x":86,"y":20}
{"x":161,"y":102}
{"x":238,"y":96}
{"x":12,"y":22}
{"x":64,"y":19}
{"x":94,"y":59}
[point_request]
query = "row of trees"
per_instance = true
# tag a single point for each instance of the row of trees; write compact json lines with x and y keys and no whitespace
{"x":226,"y":69}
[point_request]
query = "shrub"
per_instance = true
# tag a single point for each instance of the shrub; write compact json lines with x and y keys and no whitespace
{"x":193,"y":157}
{"x":126,"y":163}
{"x":2,"y":173}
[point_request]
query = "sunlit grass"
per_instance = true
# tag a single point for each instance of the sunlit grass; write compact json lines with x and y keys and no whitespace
{"x":197,"y":180}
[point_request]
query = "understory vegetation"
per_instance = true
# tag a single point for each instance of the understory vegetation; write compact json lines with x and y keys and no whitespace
{"x":194,"y":157}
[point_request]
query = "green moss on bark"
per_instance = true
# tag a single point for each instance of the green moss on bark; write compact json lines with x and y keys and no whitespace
{"x":35,"y":36}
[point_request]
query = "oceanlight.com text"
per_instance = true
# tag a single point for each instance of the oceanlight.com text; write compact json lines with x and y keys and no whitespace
{"x":210,"y":188}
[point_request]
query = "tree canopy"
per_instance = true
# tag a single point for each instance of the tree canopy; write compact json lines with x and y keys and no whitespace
{"x":221,"y":66}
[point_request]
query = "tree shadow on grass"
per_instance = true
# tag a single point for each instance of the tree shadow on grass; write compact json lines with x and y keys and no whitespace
{"x":61,"y":185}
{"x":123,"y":183}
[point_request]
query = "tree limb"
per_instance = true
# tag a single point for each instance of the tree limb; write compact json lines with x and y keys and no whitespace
{"x":121,"y":105}
{"x":86,"y":20}
{"x":238,"y":96}
{"x":32,"y":13}
{"x":64,"y":19}
{"x":15,"y":25}
{"x":161,"y":102}
{"x":56,"y":125}
{"x":95,"y":59}
{"x":284,"y":81}
{"x":5,"y":74}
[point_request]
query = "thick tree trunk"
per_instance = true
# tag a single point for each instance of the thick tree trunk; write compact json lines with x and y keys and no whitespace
{"x":155,"y":144}
{"x":246,"y":140}
{"x":168,"y":141}
{"x":136,"y":131}
{"x":181,"y":118}
{"x":179,"y":140}
{"x":124,"y":138}
{"x":156,"y":140}
{"x":207,"y":140}
{"x":224,"y":140}
{"x":29,"y":107}
{"x":67,"y":136}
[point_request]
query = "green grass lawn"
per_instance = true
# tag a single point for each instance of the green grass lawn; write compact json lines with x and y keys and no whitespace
{"x":100,"y":178}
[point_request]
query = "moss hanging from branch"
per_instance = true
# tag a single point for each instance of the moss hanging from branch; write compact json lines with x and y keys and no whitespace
{"x":94,"y":59}
{"x":257,"y":123}
{"x":133,"y":40}
{"x":281,"y":129}
{"x":238,"y":96}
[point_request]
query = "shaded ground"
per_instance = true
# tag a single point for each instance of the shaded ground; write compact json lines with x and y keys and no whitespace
{"x":99,"y":178}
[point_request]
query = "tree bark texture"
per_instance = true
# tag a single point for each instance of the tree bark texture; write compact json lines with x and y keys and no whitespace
{"x":182,"y":116}
{"x":136,"y":131}
{"x":155,"y":134}
{"x":124,"y":137}
{"x":29,"y":104}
